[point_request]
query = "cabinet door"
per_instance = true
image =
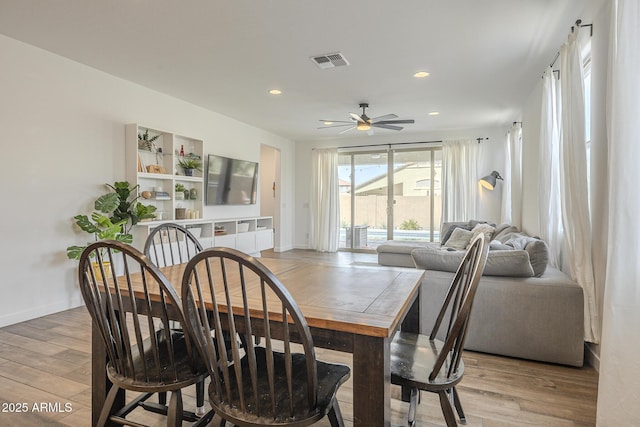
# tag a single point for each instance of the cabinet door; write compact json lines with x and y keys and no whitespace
{"x":247,"y":242}
{"x":264,"y":239}
{"x":227,"y":241}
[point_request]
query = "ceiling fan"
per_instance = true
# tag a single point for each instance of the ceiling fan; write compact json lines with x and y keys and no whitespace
{"x":363,"y":123}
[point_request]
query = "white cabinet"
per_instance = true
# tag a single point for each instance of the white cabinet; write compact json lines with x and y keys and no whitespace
{"x":154,"y":164}
{"x":249,"y":235}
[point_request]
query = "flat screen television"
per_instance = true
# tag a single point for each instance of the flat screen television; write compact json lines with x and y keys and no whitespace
{"x":231,"y":181}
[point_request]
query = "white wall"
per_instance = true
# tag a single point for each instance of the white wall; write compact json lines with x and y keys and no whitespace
{"x":491,"y":158}
{"x":62,"y":139}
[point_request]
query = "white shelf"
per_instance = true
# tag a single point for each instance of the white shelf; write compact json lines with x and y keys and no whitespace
{"x":138,"y":161}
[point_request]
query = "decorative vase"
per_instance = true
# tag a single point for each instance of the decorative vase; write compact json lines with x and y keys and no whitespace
{"x":188,"y":172}
{"x":193,"y":194}
{"x":96,"y":269}
{"x":179,"y":195}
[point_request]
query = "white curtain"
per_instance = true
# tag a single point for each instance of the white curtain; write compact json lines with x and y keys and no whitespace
{"x":619,"y":384}
{"x":325,"y":201}
{"x":511,"y":212}
{"x":550,"y":214}
{"x":576,"y":219}
{"x":459,"y":180}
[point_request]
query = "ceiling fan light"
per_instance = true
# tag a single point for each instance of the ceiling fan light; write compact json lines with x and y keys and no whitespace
{"x":363,"y":126}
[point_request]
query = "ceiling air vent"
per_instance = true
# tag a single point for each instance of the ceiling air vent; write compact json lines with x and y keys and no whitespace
{"x":330,"y":60}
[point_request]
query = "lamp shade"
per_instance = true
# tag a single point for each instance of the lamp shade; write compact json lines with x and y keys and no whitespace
{"x":489,"y":181}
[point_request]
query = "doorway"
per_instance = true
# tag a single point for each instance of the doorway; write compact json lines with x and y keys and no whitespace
{"x":270,"y":188}
{"x":389,"y":194}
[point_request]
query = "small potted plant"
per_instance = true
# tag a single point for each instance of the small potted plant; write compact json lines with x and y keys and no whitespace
{"x":145,"y":141}
{"x":180,"y":190}
{"x":189,"y":165}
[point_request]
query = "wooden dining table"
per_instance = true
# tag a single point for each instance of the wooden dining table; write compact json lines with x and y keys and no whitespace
{"x":350,"y":308}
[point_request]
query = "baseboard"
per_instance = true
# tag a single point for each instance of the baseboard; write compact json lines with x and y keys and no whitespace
{"x":44,"y":310}
{"x":590,"y":356}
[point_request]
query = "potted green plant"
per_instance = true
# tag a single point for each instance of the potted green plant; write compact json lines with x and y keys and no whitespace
{"x":189,"y":165}
{"x":180,"y":191}
{"x":115,"y":214}
{"x":146,"y":141}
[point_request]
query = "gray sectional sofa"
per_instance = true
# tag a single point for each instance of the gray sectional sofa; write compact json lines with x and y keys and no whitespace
{"x":523,"y":308}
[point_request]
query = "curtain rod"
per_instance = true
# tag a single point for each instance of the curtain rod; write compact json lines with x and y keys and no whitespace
{"x":382,"y":145}
{"x":579,"y":24}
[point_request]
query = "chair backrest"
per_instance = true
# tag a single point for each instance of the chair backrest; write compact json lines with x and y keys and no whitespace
{"x":130,"y":300}
{"x":228,"y":292}
{"x":457,"y":307}
{"x":170,"y":244}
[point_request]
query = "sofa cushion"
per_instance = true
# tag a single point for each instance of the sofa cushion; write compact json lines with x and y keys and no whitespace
{"x":459,"y":239}
{"x":448,"y":227}
{"x":538,"y":255}
{"x":483,"y":228}
{"x":511,"y":262}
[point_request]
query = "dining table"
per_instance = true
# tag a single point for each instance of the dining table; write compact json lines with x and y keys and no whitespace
{"x":349,"y":308}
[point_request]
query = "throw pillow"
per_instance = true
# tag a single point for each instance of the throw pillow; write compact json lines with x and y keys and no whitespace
{"x":485,"y":229}
{"x":497,"y":245}
{"x":459,"y":239}
{"x":452,"y":226}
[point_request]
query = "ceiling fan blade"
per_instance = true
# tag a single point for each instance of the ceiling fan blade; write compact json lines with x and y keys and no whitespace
{"x":357,"y":117}
{"x":335,"y":126}
{"x":337,"y":121}
{"x":346,"y":130}
{"x":383,"y":118}
{"x":386,"y":126}
{"x":395,"y":122}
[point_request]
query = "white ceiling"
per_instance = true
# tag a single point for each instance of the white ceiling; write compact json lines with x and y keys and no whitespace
{"x":484,"y":56}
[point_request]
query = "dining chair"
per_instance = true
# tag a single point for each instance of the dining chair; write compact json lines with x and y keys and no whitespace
{"x":171,"y":244}
{"x":256,"y":385}
{"x":117,"y":283}
{"x":421,"y":362}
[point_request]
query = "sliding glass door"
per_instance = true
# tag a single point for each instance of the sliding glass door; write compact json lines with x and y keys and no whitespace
{"x":389,"y":195}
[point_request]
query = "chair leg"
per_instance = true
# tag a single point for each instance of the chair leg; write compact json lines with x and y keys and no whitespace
{"x":335,"y":415}
{"x":162,"y":397}
{"x":458,"y":405}
{"x":413,"y":406}
{"x":107,"y":409}
{"x":447,"y":410}
{"x":200,"y":398}
{"x":174,"y":414}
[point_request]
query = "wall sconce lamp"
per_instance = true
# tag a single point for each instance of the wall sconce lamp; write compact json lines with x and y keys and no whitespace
{"x":489,"y":181}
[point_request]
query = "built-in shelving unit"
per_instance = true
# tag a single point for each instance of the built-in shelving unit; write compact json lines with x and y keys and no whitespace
{"x":154,"y":166}
{"x":250,"y":235}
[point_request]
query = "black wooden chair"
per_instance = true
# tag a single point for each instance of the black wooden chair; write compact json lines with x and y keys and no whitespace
{"x":421,"y":362}
{"x":256,"y":385}
{"x":171,"y":244}
{"x":143,"y":355}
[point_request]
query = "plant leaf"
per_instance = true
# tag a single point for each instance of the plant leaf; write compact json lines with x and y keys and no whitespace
{"x":107,"y":203}
{"x":74,"y":252}
{"x":86,"y":225}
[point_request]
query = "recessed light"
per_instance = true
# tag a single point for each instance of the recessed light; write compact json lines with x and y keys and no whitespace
{"x":434,"y":113}
{"x":421,"y":74}
{"x":275,"y":92}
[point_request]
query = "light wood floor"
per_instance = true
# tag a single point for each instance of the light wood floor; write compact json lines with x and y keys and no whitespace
{"x":45,"y":373}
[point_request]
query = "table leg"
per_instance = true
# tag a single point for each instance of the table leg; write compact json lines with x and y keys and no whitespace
{"x":371,"y":382}
{"x":411,"y":323}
